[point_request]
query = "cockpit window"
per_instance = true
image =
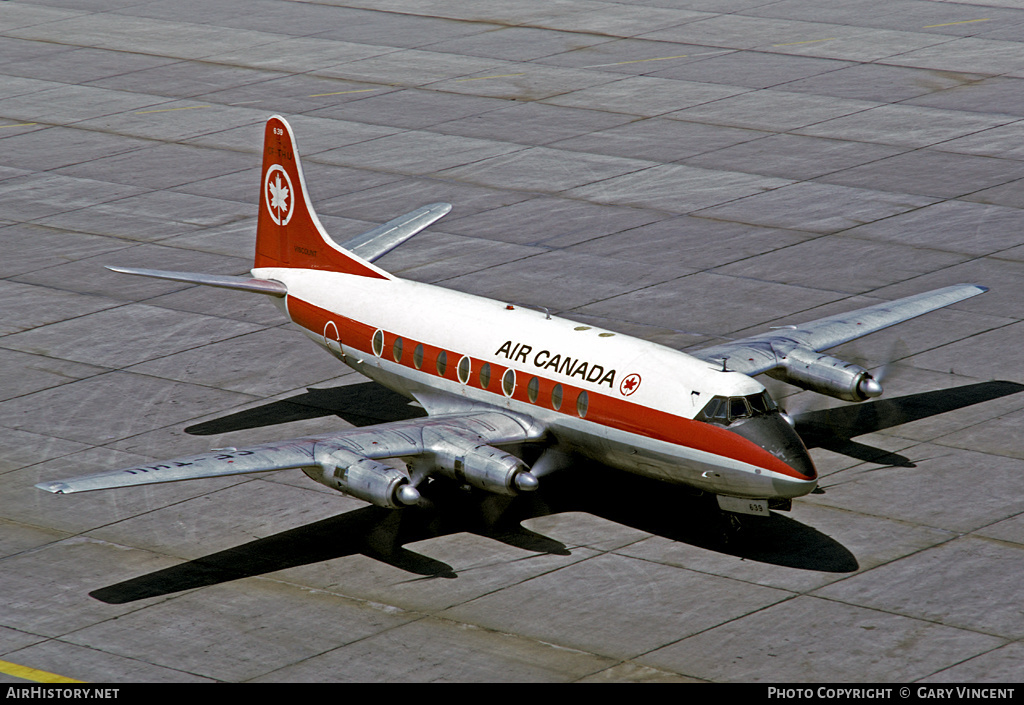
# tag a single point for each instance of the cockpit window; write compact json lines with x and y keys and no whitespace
{"x":758,"y":403}
{"x":726,"y":410}
{"x":761,"y":403}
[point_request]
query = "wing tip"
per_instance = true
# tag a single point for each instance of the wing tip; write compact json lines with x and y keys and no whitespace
{"x":55,"y":487}
{"x":967,"y":291}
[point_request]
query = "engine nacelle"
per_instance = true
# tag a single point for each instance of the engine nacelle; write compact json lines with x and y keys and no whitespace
{"x":826,"y":374}
{"x":482,"y":466}
{"x":356,"y":475}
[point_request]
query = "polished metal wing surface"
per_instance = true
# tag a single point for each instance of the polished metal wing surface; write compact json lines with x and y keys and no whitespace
{"x":374,"y":244}
{"x":766,"y":351}
{"x":447,"y":440}
{"x":222,"y":281}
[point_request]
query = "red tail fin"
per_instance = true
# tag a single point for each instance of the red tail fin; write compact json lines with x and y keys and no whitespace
{"x":288,"y":233}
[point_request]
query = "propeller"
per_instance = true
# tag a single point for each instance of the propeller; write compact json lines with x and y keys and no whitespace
{"x":794,"y":402}
{"x":896,"y":350}
{"x":550,"y":460}
{"x":814,"y":417}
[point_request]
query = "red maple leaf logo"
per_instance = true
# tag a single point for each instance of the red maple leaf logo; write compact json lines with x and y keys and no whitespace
{"x":629,"y":384}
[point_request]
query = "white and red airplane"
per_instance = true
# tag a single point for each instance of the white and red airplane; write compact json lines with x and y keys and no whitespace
{"x":493,"y":376}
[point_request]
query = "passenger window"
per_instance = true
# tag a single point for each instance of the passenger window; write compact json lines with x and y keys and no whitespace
{"x":556,"y":397}
{"x":582,"y":404}
{"x":442,"y":362}
{"x":378,"y":342}
{"x":396,"y":350}
{"x":417,"y":356}
{"x":533,"y":389}
{"x":508,"y":382}
{"x":464,"y":364}
{"x":485,"y":375}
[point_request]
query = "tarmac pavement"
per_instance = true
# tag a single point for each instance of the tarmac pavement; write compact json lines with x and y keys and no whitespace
{"x":686,"y":172}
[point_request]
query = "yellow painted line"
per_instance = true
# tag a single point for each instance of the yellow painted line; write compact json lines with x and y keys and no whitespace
{"x":812,"y":41}
{"x":33,"y":674}
{"x":20,"y":124}
{"x":950,"y":24}
{"x":637,"y":61}
{"x":484,"y":78}
{"x":168,"y":110}
{"x":361,"y":90}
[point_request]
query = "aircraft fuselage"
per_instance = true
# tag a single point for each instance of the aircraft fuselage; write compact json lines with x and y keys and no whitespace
{"x":625,"y":402}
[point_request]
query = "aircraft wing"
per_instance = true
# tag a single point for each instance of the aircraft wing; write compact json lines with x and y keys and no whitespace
{"x":352,"y":451}
{"x":766,"y":351}
{"x":374,"y":244}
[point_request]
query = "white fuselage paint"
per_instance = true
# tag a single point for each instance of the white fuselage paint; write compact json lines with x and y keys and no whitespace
{"x":671,"y":382}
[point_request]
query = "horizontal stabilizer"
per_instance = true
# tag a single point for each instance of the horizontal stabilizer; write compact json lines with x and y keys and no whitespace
{"x":376,"y":243}
{"x":259,"y":286}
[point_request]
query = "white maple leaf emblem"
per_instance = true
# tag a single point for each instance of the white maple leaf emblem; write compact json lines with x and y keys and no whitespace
{"x":278,"y":195}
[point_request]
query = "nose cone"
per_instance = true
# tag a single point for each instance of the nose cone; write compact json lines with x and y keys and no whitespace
{"x":775,"y":435}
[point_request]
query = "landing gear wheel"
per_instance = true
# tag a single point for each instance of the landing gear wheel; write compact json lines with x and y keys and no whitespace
{"x":731,"y":528}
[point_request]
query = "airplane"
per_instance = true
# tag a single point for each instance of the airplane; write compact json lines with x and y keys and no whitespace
{"x":496,"y":377}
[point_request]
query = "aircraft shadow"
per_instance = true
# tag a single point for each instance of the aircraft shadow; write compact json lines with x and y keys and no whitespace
{"x":833,"y":429}
{"x":670,"y":512}
{"x":371,"y":531}
{"x":683,"y":516}
{"x":382,"y":534}
{"x":360,"y":404}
